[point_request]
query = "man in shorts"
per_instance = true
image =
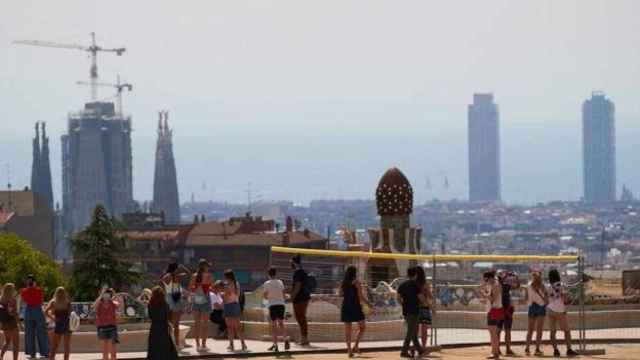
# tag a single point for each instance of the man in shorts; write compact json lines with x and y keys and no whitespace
{"x":274,"y":294}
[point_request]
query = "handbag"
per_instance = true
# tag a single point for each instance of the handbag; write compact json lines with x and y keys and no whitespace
{"x":74,"y":321}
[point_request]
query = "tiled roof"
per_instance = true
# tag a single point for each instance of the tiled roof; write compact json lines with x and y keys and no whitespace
{"x":258,"y":239}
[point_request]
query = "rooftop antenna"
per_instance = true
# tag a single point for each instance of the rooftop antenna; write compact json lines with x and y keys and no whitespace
{"x":93,"y":49}
{"x":10,"y":205}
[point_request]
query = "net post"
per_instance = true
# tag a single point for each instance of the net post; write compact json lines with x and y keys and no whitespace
{"x":434,"y":327}
{"x":581,"y":310}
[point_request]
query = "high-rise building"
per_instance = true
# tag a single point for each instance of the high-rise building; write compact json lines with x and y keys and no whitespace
{"x":599,"y":149}
{"x":40,"y":168}
{"x":165,"y":183}
{"x":484,"y":149}
{"x":96,"y":165}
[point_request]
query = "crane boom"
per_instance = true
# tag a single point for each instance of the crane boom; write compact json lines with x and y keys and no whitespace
{"x":93,"y":49}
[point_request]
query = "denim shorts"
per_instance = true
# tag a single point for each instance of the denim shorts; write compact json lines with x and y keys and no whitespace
{"x":109,"y":332}
{"x":232,"y":310}
{"x":536,"y":310}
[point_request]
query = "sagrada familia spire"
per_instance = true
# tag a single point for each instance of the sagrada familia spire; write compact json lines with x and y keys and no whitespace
{"x":165,"y":183}
{"x":40,"y":168}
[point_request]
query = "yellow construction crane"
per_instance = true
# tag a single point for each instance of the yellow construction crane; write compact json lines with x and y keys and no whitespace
{"x":93,"y":49}
{"x":118,"y":86}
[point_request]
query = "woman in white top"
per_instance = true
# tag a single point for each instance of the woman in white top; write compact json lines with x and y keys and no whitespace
{"x":558,"y":313}
{"x":491,"y":291}
{"x":274,"y":294}
{"x":175,"y":297}
{"x":537,"y":299}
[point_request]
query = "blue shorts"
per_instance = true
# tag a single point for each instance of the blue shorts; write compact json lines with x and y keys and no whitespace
{"x":232,"y":310}
{"x":536,"y":310}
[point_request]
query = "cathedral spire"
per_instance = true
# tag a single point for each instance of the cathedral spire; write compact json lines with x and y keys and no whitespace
{"x":35,"y":165}
{"x":165,"y":185}
{"x":46,"y":188}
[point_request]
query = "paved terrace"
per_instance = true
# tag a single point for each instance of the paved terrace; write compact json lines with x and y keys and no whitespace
{"x":218,"y":348}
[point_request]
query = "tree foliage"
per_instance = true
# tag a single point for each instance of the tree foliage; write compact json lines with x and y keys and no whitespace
{"x":98,"y":258}
{"x":19,"y":259}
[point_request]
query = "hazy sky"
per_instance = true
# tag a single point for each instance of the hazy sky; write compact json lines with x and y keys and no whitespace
{"x":315,"y":99}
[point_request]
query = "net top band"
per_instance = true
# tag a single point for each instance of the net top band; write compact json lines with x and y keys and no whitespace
{"x":425,"y":257}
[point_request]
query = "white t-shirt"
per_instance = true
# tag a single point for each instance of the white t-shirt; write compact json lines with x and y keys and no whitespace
{"x":556,"y":291}
{"x":275,"y":290}
{"x":215,"y":299}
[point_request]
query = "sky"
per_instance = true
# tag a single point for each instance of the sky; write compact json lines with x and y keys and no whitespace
{"x":316,"y":99}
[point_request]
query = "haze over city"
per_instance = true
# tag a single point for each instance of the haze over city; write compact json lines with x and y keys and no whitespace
{"x":315,"y":100}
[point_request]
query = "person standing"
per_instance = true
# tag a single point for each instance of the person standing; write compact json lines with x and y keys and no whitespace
{"x":351,"y":310}
{"x":537,"y":299}
{"x":426,"y":301}
{"x":105,"y":307}
{"x":558,"y":313}
{"x":232,"y":310}
{"x":217,"y":308}
{"x":34,"y":323}
{"x":492,"y":294}
{"x":9,"y":320}
{"x":160,"y":346}
{"x":408,"y":293}
{"x":201,"y":282}
{"x":300,"y":298}
{"x":59,"y":311}
{"x":508,"y":281}
{"x":175,"y":296}
{"x":274,"y":294}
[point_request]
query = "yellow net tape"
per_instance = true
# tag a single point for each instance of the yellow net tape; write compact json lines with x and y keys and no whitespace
{"x":423,"y":257}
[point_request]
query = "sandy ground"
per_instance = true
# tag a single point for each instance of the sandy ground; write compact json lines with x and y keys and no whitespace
{"x":613,"y":352}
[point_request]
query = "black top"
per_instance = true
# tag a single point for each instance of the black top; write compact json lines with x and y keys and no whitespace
{"x":409,"y":291}
{"x":506,"y":295}
{"x":300,"y":276}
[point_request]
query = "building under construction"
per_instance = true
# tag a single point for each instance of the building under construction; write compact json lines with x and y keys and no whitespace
{"x":96,"y":164}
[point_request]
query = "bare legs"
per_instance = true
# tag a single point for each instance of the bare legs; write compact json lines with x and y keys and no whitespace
{"x":561,"y":320}
{"x":535,"y":324}
{"x":175,"y":323}
{"x":424,"y":334}
{"x":201,"y":329}
{"x":277,"y":328}
{"x":348,"y":331}
{"x":11,"y":337}
{"x":66,"y":338}
{"x":495,"y":341}
{"x":109,"y":350}
{"x":233,"y":330}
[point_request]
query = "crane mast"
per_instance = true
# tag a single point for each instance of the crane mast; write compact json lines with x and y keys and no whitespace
{"x":93,"y":49}
{"x":118,"y":86}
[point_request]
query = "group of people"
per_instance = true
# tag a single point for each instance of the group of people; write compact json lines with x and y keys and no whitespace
{"x":45,"y":327}
{"x":542,"y":301}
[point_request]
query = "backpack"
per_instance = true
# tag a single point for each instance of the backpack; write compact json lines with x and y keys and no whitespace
{"x":4,"y":314}
{"x":310,"y":284}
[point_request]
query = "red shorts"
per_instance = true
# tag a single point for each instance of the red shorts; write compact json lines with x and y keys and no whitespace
{"x":495,"y":316}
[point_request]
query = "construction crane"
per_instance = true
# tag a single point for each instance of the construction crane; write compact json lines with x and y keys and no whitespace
{"x":93,"y":49}
{"x":118,"y":86}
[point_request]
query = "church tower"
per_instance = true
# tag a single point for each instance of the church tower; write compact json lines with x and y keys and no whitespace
{"x":165,"y":183}
{"x":41,"y":168}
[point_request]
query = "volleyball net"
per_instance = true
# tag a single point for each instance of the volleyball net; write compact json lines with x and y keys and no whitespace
{"x":458,"y":313}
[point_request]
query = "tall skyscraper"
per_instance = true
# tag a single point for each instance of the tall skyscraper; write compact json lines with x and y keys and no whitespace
{"x":484,"y":149}
{"x":40,"y":168}
{"x":165,"y":183}
{"x":599,"y":149}
{"x":96,"y":165}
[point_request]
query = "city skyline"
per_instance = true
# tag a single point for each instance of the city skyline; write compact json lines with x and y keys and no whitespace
{"x":324,"y":109}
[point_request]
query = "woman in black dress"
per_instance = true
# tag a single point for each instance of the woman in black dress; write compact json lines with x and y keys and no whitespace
{"x":161,"y":346}
{"x":351,"y":310}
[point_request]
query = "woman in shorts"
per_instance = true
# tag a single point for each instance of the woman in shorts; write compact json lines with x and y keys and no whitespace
{"x":105,"y":307}
{"x":201,"y":284}
{"x":59,"y":310}
{"x":557,"y":312}
{"x":426,"y":301}
{"x":9,"y":320}
{"x":232,"y":310}
{"x":491,"y":291}
{"x":175,"y":296}
{"x":537,"y":299}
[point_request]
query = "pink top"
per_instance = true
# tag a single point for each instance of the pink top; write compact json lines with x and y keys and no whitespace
{"x":106,"y":313}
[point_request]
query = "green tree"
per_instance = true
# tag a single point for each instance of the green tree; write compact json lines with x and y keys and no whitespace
{"x":19,"y":259}
{"x":98,"y":258}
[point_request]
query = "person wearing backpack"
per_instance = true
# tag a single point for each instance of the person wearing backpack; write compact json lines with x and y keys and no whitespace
{"x":9,"y":320}
{"x":300,"y":295}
